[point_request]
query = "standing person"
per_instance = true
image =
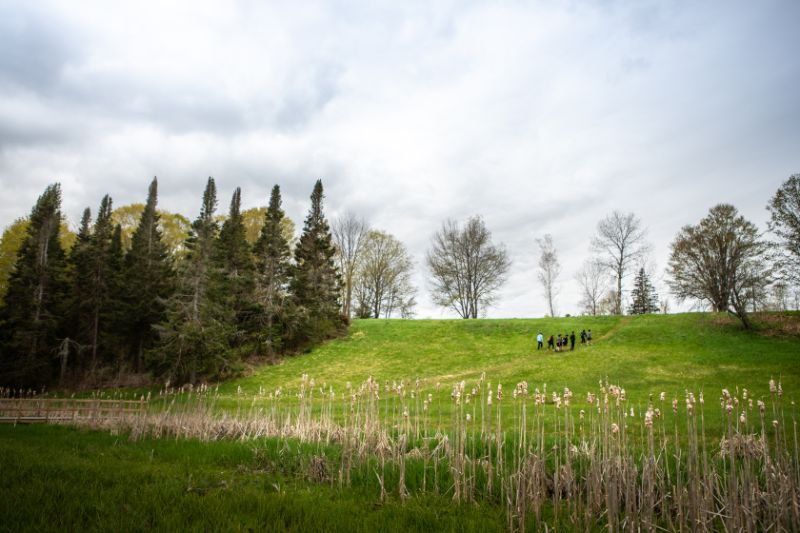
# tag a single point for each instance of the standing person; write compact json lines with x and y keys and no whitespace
{"x":551,"y":345}
{"x":589,"y":337}
{"x":539,"y":341}
{"x":558,"y":343}
{"x":583,"y":336}
{"x":572,"y":342}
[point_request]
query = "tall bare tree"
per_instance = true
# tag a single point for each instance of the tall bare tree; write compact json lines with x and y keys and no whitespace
{"x":784,"y":209}
{"x":719,"y":261}
{"x":382,"y":282}
{"x":593,"y":280}
{"x":466,"y":268}
{"x":620,"y":242}
{"x":349,"y":232}
{"x":549,"y":269}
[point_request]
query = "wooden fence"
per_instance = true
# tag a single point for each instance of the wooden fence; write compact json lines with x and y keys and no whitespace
{"x":44,"y":410}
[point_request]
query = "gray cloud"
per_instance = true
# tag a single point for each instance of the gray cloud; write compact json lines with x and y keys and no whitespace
{"x":540,"y":117}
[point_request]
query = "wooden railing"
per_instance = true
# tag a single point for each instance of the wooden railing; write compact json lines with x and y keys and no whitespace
{"x":44,"y":410}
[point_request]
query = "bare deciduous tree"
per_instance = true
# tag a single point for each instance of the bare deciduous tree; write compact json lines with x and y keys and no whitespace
{"x":620,"y":241}
{"x":593,"y":280}
{"x":719,"y":261}
{"x":784,"y":209}
{"x":382,"y":280}
{"x":348,"y":231}
{"x":549,"y":269}
{"x":466,"y":268}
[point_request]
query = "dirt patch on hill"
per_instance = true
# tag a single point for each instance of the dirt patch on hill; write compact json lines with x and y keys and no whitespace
{"x":778,"y":324}
{"x":770,"y":324}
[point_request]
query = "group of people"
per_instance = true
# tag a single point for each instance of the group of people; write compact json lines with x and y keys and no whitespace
{"x":560,"y":342}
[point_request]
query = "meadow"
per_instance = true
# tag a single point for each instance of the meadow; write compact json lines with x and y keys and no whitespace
{"x":664,"y":422}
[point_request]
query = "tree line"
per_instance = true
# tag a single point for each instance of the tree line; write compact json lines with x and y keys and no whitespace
{"x":142,"y":290}
{"x":85,"y":309}
{"x":723,"y":262}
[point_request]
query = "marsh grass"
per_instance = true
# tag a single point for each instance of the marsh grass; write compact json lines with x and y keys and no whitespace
{"x":609,"y":462}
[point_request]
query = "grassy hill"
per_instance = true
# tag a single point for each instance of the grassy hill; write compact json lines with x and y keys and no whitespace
{"x":61,"y":478}
{"x":644,"y":354}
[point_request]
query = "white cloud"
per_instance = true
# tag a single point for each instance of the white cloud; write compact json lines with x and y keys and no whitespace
{"x":541,"y":117}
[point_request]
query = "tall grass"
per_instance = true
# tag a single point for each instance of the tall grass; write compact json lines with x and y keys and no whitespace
{"x":549,"y":459}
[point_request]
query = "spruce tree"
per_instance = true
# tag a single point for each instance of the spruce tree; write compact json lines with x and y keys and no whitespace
{"x":273,"y":269}
{"x":643,"y":296}
{"x":35,"y":298}
{"x":103,"y":277}
{"x":149,"y":281}
{"x":76,"y":327}
{"x":315,"y":283}
{"x":193,"y":338}
{"x":233,"y":283}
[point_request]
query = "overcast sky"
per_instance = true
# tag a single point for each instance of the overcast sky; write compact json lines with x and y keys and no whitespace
{"x":540,"y":116}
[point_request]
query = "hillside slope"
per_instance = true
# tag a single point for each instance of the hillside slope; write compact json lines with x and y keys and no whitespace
{"x":644,"y":354}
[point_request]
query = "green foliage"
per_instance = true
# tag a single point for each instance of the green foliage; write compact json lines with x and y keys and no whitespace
{"x":11,"y":241}
{"x":253,"y":220}
{"x":195,"y":301}
{"x":192,"y":338}
{"x":148,"y":281}
{"x":644,"y":298}
{"x":174,"y":227}
{"x":234,"y":281}
{"x":315,"y":281}
{"x":35,"y":295}
{"x":272,"y":275}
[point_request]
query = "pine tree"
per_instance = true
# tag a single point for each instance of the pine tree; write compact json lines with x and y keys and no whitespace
{"x":103,"y":277}
{"x":315,"y":283}
{"x":75,"y":326}
{"x":234,"y":283}
{"x":35,"y":298}
{"x":273,"y":269}
{"x":116,"y":331}
{"x":193,"y":338}
{"x":644,"y":297}
{"x":148,"y":279}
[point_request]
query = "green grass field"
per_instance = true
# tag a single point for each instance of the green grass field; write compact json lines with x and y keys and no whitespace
{"x":645,"y":354}
{"x":64,"y":479}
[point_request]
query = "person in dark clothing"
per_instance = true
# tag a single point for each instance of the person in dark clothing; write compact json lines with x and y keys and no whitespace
{"x":583,"y":336}
{"x":551,"y":344}
{"x":572,"y":342}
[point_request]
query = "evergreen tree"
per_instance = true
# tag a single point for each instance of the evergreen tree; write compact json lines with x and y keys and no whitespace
{"x":103,"y":277}
{"x":35,"y":298}
{"x":643,"y":295}
{"x":234,"y":276}
{"x":148,"y":281}
{"x":193,"y":338}
{"x":273,"y":269}
{"x":116,"y":332}
{"x":75,"y":326}
{"x":315,"y":283}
